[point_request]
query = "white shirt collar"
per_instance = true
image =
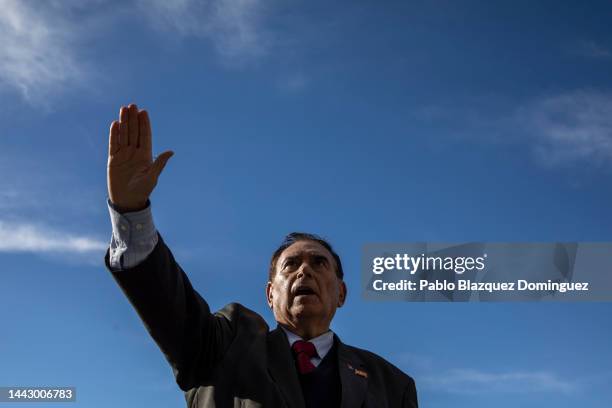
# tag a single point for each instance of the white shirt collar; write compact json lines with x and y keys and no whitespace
{"x":323,"y":343}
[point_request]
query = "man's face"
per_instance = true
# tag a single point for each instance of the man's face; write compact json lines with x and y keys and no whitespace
{"x":305,"y":289}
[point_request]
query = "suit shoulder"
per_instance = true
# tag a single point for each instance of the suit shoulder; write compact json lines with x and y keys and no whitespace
{"x":243,"y":318}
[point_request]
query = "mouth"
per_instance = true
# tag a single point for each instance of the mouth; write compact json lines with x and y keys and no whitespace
{"x":304,"y":290}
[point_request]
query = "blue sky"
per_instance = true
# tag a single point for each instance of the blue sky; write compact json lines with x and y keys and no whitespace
{"x":359,"y":121}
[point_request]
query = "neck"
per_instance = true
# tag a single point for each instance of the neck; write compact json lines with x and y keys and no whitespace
{"x":305,"y":332}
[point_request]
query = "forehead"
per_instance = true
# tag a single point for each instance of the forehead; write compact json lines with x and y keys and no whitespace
{"x":302,"y":248}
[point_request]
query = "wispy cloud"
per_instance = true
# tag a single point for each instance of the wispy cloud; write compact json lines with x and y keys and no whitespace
{"x":570,"y":127}
{"x":433,"y":375}
{"x":591,"y":49}
{"x":39,"y":206}
{"x":28,"y":237}
{"x":233,"y":26}
{"x":479,"y":381}
{"x":37,"y":56}
{"x":293,"y":83}
{"x":42,"y":43}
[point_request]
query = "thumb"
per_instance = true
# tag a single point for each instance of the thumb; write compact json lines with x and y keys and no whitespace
{"x":160,"y":163}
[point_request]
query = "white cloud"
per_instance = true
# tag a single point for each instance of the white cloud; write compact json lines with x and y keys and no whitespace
{"x":42,"y":44}
{"x":570,"y":127}
{"x":37,"y":196}
{"x":432,"y":375}
{"x":36,"y":49}
{"x":233,"y":26}
{"x":478,"y":381}
{"x":28,"y":237}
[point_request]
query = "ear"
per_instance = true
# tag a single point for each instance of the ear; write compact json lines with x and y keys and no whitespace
{"x":342,"y":295}
{"x":269,"y":293}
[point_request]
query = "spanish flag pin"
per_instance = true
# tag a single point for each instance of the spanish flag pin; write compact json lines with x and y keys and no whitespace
{"x":361,"y":373}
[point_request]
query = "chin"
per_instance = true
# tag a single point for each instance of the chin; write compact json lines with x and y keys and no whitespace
{"x":305,"y":311}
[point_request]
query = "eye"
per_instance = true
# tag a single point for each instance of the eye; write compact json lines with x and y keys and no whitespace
{"x":321,"y":261}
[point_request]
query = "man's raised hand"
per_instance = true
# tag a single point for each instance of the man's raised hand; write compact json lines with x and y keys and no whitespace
{"x":131,"y":172}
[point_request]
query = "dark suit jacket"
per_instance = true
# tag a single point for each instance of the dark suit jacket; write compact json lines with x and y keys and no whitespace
{"x":231,"y":358}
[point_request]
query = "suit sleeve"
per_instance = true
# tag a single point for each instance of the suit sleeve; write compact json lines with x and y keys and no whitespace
{"x":192,"y":339}
{"x":410,"y":396}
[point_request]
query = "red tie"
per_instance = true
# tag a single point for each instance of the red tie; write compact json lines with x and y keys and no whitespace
{"x":304,"y":351}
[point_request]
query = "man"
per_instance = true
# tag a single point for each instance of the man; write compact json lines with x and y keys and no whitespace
{"x":231,"y":358}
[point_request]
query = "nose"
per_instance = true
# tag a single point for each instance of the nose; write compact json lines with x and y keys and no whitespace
{"x":304,"y":270}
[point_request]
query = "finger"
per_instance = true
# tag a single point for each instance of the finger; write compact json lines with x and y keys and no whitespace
{"x":113,"y":138}
{"x":160,"y":162}
{"x":123,"y":126}
{"x":145,"y":132}
{"x":133,"y":125}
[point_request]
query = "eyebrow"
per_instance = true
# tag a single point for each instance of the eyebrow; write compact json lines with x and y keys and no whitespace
{"x":316,"y":255}
{"x":289,"y":258}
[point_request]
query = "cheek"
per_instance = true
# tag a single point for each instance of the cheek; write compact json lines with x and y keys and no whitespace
{"x":280,"y":293}
{"x":333,"y":292}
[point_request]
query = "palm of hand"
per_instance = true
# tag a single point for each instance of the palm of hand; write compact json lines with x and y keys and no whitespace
{"x":131,"y":173}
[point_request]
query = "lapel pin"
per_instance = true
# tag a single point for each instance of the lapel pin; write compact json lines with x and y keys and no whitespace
{"x":361,"y":373}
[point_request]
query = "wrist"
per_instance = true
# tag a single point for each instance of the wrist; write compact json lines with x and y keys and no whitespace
{"x":125,"y":208}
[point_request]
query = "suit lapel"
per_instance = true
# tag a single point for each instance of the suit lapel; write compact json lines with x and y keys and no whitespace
{"x":282,"y":368}
{"x":353,"y":376}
